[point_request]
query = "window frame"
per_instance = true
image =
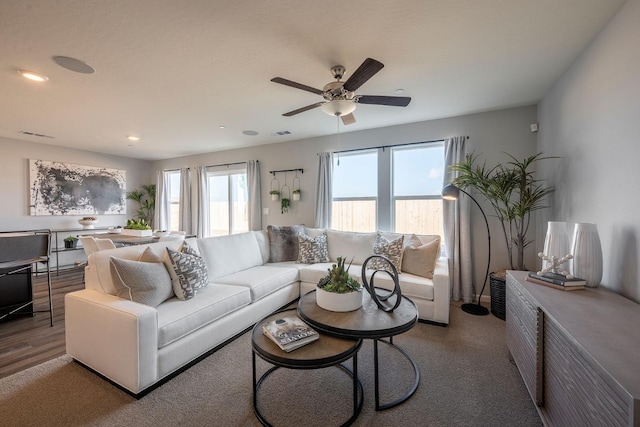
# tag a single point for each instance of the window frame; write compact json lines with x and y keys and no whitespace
{"x":212,"y":172}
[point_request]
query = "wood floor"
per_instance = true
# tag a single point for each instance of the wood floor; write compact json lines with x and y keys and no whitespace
{"x":27,"y":341}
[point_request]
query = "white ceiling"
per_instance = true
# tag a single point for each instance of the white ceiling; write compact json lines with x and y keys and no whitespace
{"x":174,"y":71}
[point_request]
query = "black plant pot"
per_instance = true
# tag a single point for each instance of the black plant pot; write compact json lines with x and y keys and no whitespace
{"x":498,"y":300}
{"x":70,"y":244}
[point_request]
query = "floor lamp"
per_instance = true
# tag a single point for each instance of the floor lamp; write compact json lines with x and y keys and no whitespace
{"x":451,"y":192}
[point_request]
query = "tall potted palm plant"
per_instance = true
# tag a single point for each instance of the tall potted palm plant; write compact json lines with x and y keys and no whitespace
{"x":514,"y":194}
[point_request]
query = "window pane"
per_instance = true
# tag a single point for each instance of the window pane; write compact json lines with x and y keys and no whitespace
{"x":218,"y":205}
{"x":356,"y":175}
{"x":418,"y":171}
{"x":240,"y":206}
{"x":174,"y":200}
{"x":354,"y":215}
{"x":419,"y":216}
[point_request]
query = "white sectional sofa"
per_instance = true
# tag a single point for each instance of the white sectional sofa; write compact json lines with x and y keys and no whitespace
{"x":136,"y":346}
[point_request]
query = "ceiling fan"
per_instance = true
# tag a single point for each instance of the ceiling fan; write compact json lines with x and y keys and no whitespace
{"x":339,"y":97}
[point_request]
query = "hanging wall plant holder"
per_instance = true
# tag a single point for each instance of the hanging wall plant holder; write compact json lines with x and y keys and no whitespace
{"x":296,"y":188}
{"x":275,"y":189}
{"x":286,"y":197}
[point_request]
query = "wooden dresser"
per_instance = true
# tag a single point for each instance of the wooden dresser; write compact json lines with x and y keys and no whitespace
{"x":578,"y":352}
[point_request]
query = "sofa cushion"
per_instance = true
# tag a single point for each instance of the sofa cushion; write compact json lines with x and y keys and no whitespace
{"x":314,"y":232}
{"x":350,"y":245}
{"x":227,"y":254}
{"x":177,"y":319}
{"x":420,"y":258}
{"x":313,"y":250}
{"x":146,"y":283}
{"x":261,"y":280}
{"x":412,"y":286}
{"x":283,"y":242}
{"x":191,"y":271}
{"x":392,"y":250}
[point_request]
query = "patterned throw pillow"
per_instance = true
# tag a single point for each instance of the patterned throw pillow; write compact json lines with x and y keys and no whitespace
{"x":390,"y":249}
{"x":420,"y":258}
{"x":146,"y":283}
{"x":313,"y":250}
{"x":283,"y":242}
{"x":191,"y":271}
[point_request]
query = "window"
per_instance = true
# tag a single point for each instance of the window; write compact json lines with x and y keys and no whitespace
{"x":417,"y":185}
{"x":355,"y":191}
{"x":228,"y":202}
{"x":174,"y":199}
{"x":395,"y":189}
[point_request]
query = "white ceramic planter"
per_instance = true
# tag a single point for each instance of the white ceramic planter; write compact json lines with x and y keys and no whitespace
{"x":87,"y":224}
{"x":275,"y":197}
{"x":296,"y":196}
{"x":137,"y":233}
{"x":587,"y":254}
{"x":338,"y":302}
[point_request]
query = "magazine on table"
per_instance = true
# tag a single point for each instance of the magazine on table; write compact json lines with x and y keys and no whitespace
{"x":289,"y":332}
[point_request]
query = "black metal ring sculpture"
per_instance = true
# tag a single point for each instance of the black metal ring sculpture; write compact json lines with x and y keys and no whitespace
{"x":381,"y":300}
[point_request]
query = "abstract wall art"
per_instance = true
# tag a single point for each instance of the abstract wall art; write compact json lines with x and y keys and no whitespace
{"x":58,"y":188}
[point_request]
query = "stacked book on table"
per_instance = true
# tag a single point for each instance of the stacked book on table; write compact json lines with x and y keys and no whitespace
{"x":557,"y":281}
{"x":289,"y":333}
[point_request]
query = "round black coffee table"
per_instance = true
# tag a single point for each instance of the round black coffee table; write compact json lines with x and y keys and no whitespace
{"x":367,"y":322}
{"x":325,"y":352}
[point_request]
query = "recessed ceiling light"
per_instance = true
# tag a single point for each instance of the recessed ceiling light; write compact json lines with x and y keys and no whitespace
{"x":31,"y":75}
{"x":398,"y":91}
{"x":73,"y":64}
{"x":250,"y":132}
{"x":133,"y":138}
{"x":223,"y":127}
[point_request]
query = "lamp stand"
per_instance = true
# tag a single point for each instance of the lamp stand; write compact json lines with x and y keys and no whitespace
{"x":477,"y":309}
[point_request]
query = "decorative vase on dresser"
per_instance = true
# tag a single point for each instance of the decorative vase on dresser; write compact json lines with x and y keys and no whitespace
{"x":587,"y":254}
{"x":556,"y":242}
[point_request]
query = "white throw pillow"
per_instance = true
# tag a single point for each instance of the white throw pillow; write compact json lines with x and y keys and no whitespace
{"x":420,"y":258}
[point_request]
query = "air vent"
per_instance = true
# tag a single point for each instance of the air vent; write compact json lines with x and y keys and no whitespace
{"x":39,"y":135}
{"x":281,"y":133}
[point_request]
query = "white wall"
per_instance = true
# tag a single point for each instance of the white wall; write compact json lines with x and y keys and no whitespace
{"x":14,"y":175}
{"x":591,"y":117}
{"x":489,"y":133}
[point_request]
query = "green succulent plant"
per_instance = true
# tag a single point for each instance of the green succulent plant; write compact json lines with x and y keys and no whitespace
{"x":137,"y":224}
{"x":338,"y":280}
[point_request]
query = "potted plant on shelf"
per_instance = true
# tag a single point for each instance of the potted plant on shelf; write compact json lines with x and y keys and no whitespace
{"x":338,"y":291}
{"x":70,"y":242}
{"x":275,"y":195}
{"x":514,"y":194}
{"x":284,"y":205}
{"x":296,"y":194}
{"x":137,"y":227}
{"x":146,"y":198}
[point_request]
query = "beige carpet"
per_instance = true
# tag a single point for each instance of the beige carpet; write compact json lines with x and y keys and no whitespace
{"x":466,"y":379}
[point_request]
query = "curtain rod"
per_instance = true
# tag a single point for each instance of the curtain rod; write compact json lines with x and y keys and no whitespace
{"x":389,"y":146}
{"x":287,"y":170}
{"x":211,"y":166}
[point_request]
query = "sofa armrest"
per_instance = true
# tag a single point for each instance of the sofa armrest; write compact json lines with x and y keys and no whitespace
{"x":116,"y":337}
{"x":441,"y":290}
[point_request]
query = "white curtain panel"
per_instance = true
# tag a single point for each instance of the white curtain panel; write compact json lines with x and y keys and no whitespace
{"x":457,"y":229}
{"x":255,"y":196}
{"x":324,"y":191}
{"x":200,"y":217}
{"x":161,"y":215}
{"x":184,"y":223}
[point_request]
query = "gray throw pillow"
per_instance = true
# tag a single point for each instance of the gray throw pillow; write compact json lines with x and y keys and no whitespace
{"x":389,"y":249}
{"x":191,"y":271}
{"x":283,"y":242}
{"x":147,"y":283}
{"x":313,"y":250}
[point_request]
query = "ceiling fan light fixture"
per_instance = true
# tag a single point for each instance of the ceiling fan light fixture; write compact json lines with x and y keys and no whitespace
{"x":338,"y":107}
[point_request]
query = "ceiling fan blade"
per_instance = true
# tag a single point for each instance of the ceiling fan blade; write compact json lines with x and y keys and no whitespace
{"x":303,"y":109}
{"x":394,"y":101}
{"x":296,"y":85}
{"x":365,"y":71}
{"x":348,"y":119}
